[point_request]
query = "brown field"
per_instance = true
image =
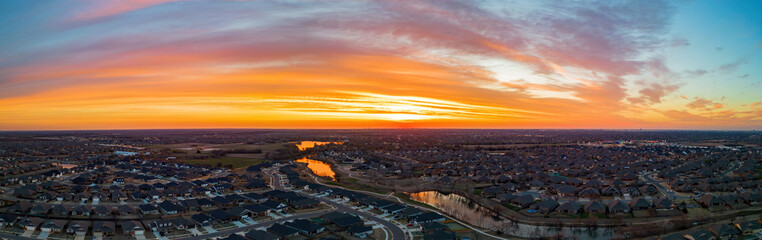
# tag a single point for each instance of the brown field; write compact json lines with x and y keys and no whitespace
{"x":201,"y":153}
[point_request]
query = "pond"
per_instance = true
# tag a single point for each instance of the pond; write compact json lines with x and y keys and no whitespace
{"x":466,"y":210}
{"x":318,"y":167}
{"x":304,"y":145}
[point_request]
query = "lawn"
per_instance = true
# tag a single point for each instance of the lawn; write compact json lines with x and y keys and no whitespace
{"x":478,"y":191}
{"x":509,"y":206}
{"x":224,"y":161}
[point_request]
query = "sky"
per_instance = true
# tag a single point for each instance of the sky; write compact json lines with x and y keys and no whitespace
{"x":139,"y":64}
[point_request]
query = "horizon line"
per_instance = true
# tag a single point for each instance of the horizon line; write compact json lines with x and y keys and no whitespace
{"x":382,"y":128}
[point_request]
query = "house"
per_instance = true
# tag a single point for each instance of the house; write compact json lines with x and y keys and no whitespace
{"x":182,"y":223}
{"x":80,"y":211}
{"x":360,"y":231}
{"x":440,"y":235}
{"x":118,"y":181}
{"x":724,"y":231}
{"x":750,"y":227}
{"x":106,"y":228}
{"x":39,"y":209}
{"x":234,"y":237}
{"x":700,"y":234}
{"x":305,"y":227}
{"x":204,"y":219}
{"x":545,"y":206}
{"x":257,"y":209}
{"x":169,"y":208}
{"x":59,"y":210}
{"x":198,"y":191}
{"x":139,"y":196}
{"x":393,"y":209}
{"x":64,"y":196}
{"x":79,"y":228}
{"x":523,"y":201}
{"x":22,"y":207}
{"x":189,"y":204}
{"x":256,"y":198}
{"x":344,"y":220}
{"x":304,"y":202}
{"x":153,"y":194}
{"x":118,"y":196}
{"x":618,"y":206}
{"x":433,"y":226}
{"x":282,"y":230}
{"x":277,"y":206}
{"x":29,"y":223}
{"x":639,"y":204}
{"x":132,"y":227}
{"x":261,"y":235}
{"x":148,"y":209}
{"x":709,"y":200}
{"x":205,"y":203}
{"x":7,"y":220}
{"x":161,"y":225}
{"x":429,"y":217}
{"x":240,"y":212}
{"x":662,"y":203}
{"x":124,"y":210}
{"x":102,"y":211}
{"x":492,"y":191}
{"x":611,"y":191}
{"x":569,"y":207}
{"x":222,"y":201}
{"x":52,"y":225}
{"x":223,"y":216}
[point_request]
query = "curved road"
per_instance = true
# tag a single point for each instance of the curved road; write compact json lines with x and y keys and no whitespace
{"x":397,"y":232}
{"x":666,"y":191}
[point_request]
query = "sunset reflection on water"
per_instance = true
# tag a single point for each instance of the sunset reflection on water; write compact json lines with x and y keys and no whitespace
{"x":304,"y":145}
{"x":319,"y":168}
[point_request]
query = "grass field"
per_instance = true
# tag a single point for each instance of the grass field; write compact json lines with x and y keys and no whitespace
{"x":235,"y":161}
{"x":202,"y":153}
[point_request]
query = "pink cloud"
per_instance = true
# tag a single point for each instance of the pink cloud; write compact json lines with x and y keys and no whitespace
{"x":653,"y":93}
{"x":104,"y":8}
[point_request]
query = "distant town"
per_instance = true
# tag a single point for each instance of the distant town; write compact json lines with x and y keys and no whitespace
{"x":381,"y":184}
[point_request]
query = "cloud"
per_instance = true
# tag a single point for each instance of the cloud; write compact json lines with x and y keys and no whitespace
{"x":104,"y":8}
{"x":653,"y":93}
{"x":732,"y":66}
{"x":511,"y":63}
{"x":700,"y":103}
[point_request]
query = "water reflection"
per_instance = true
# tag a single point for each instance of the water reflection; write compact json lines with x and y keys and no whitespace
{"x":65,"y":165}
{"x":474,"y":214}
{"x":304,"y":145}
{"x":319,"y":168}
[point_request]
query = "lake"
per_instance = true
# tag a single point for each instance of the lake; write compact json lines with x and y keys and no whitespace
{"x":466,"y":210}
{"x":318,"y":167}
{"x":304,"y":145}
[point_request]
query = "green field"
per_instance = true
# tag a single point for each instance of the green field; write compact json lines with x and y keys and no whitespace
{"x":237,"y":162}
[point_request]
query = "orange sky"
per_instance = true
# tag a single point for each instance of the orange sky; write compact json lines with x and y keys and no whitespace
{"x":385,"y":64}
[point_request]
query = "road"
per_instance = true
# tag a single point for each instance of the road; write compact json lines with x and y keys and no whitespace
{"x":14,"y":237}
{"x":666,"y":191}
{"x":397,"y":232}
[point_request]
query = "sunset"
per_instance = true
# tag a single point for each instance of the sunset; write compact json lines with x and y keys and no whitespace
{"x":380,"y":119}
{"x":146,"y":64}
